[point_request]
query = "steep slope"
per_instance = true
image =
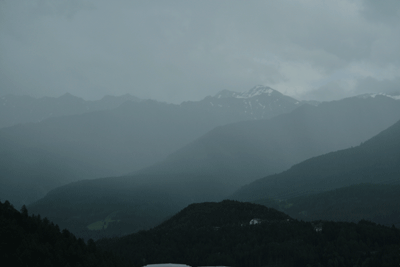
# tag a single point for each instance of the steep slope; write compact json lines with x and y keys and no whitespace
{"x":242,"y":152}
{"x":375,"y":161}
{"x":242,"y":234}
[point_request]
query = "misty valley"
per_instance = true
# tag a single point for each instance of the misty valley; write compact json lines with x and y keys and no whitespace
{"x":236,"y":179}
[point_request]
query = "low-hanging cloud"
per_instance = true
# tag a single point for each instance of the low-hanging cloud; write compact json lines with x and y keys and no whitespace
{"x":185,"y":50}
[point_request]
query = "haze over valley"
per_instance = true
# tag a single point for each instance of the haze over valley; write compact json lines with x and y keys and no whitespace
{"x":201,"y":133}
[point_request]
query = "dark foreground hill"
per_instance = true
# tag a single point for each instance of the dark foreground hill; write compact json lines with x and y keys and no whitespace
{"x":32,"y":241}
{"x":379,"y":203}
{"x":231,"y":233}
{"x":375,"y":161}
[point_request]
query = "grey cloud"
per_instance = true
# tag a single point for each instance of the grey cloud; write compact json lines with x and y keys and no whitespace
{"x":331,"y":91}
{"x":387,"y":11}
{"x":184,"y":50}
{"x":371,"y":85}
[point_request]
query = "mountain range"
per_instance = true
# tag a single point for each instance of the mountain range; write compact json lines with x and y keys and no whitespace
{"x":123,"y":137}
{"x":140,"y":201}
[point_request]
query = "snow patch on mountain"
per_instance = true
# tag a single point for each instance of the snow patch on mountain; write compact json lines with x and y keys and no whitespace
{"x":255,"y":91}
{"x":395,"y":97}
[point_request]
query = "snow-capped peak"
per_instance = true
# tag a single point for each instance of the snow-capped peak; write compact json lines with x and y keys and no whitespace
{"x":258,"y":90}
{"x":395,"y":97}
{"x":255,"y":91}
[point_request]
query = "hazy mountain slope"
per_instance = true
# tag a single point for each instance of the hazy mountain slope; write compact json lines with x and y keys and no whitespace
{"x":28,"y":173}
{"x":132,"y":136}
{"x":23,"y":109}
{"x":375,"y":161}
{"x":125,"y":204}
{"x":260,"y":146}
{"x":124,"y":139}
{"x":244,"y":151}
{"x":220,"y":234}
{"x":117,"y":141}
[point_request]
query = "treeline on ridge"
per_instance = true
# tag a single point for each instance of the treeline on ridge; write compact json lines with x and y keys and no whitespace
{"x":32,"y":241}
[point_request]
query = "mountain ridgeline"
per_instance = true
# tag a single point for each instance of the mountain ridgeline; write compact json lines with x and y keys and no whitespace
{"x":23,"y":109}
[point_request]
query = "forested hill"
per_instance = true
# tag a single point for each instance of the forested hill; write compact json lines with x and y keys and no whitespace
{"x":375,"y":161}
{"x":31,"y":241}
{"x":231,"y":233}
{"x":225,"y":213}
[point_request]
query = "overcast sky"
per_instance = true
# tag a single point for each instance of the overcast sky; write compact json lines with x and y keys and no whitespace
{"x":185,"y":50}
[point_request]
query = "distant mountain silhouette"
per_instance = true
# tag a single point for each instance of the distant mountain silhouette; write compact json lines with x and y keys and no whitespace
{"x":375,"y":161}
{"x":22,"y":109}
